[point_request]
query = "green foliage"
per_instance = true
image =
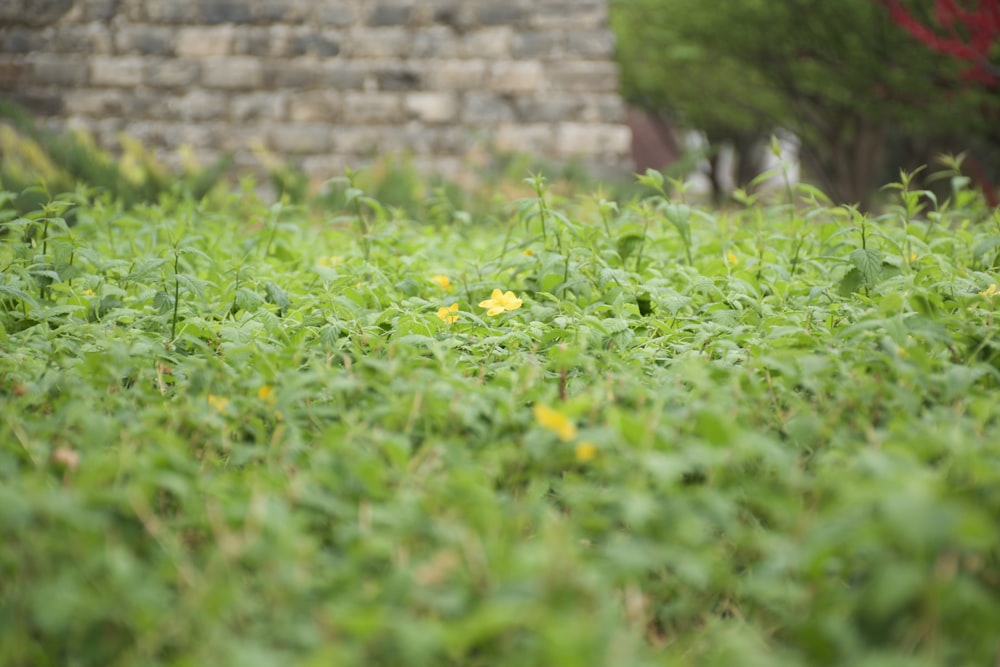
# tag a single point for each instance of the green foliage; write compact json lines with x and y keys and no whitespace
{"x":248,"y":434}
{"x":859,"y":92}
{"x":62,"y":161}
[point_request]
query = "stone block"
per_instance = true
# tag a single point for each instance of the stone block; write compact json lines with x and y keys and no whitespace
{"x":64,"y":70}
{"x":538,"y":44}
{"x":315,"y":106}
{"x":251,"y":41}
{"x":114,"y":71}
{"x":534,"y":138}
{"x":85,"y":11}
{"x":233,"y":72}
{"x":377,"y":43}
{"x":336,"y":13}
{"x":33,"y":13}
{"x":575,"y":76}
{"x":390,"y":13}
{"x":204,"y":42}
{"x":198,"y":105}
{"x":283,"y":11}
{"x":517,"y":76}
{"x":172,"y":73}
{"x":488,"y":42}
{"x":362,"y":139}
{"x":372,"y":107}
{"x":175,"y":12}
{"x":90,"y":39}
{"x":300,"y":138}
{"x":593,"y":140}
{"x":570,"y":14}
{"x":436,"y":41}
{"x":302,"y":42}
{"x":259,"y":106}
{"x":97,"y":103}
{"x":490,"y":12}
{"x":431,"y":107}
{"x":298,"y":73}
{"x":548,"y":108}
{"x":226,"y":11}
{"x":607,"y":108}
{"x":485,"y":108}
{"x":19,"y":40}
{"x":40,"y":102}
{"x":455,"y":74}
{"x":12,"y":70}
{"x":144,"y":40}
{"x":234,"y":138}
{"x":594,"y":44}
{"x":344,"y":74}
{"x":398,"y":77}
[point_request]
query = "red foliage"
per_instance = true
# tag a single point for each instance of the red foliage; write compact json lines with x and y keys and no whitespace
{"x":966,"y":33}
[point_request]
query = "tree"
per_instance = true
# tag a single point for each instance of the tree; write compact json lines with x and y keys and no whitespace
{"x":970,"y":34}
{"x":843,"y":76}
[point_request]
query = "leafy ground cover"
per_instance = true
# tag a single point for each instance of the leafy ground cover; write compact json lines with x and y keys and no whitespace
{"x":576,"y":432}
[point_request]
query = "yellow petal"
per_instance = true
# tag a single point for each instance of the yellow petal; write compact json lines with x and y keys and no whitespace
{"x":555,"y":421}
{"x":585,"y":451}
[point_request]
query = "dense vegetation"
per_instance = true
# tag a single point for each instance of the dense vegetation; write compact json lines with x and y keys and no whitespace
{"x":864,"y":85}
{"x":238,"y":433}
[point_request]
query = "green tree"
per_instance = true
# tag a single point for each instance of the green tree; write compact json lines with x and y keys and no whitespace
{"x":842,"y":76}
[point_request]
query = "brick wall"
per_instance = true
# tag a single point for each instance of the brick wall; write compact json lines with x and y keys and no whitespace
{"x":325,"y":83}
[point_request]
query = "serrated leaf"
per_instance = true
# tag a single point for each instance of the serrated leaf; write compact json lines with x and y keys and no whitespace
{"x":869,"y":264}
{"x":163,"y":302}
{"x":628,"y":244}
{"x":277,"y":296}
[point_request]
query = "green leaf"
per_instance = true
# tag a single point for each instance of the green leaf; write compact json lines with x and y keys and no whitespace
{"x":277,"y":296}
{"x":869,"y":264}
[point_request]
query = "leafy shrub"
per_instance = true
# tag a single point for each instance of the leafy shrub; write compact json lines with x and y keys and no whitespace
{"x":248,"y":435}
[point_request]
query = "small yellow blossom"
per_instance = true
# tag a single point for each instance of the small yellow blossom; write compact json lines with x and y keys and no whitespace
{"x":89,"y":292}
{"x":330,"y":262}
{"x":555,"y":421}
{"x":585,"y":451}
{"x":446,"y":313}
{"x":500,"y":302}
{"x":220,"y":403}
{"x":913,"y":256}
{"x":528,"y":252}
{"x":442,"y":282}
{"x":990,"y":291}
{"x":266,"y":394}
{"x":732,"y":258}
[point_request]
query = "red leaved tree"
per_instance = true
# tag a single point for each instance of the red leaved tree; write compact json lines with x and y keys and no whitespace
{"x":962,"y":32}
{"x":968,"y":34}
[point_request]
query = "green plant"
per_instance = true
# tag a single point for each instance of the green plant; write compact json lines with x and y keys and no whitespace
{"x":576,"y":432}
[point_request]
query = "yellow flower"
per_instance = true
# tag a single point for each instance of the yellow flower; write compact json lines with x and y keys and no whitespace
{"x":266,"y":394}
{"x":585,"y":451}
{"x":442,"y":282}
{"x":555,"y":421}
{"x":446,"y":313}
{"x":528,"y":252}
{"x":732,"y":258}
{"x":990,"y":291}
{"x":913,"y":256}
{"x":330,"y":262}
{"x":89,"y":292}
{"x":220,"y":403}
{"x":500,"y":302}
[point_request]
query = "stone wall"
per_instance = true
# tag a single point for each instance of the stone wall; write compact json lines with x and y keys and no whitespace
{"x":325,"y":83}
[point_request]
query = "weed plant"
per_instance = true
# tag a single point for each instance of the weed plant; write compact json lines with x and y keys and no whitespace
{"x":572,"y":432}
